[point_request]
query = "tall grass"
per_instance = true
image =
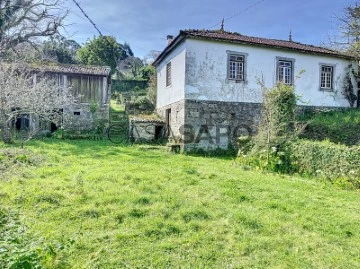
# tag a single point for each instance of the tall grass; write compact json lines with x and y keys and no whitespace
{"x":93,"y":204}
{"x":337,"y":126}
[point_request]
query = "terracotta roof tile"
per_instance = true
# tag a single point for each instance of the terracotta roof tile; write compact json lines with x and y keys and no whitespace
{"x":238,"y":38}
{"x":243,"y":39}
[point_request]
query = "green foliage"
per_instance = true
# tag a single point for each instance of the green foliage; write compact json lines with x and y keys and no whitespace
{"x":61,"y":50}
{"x":14,"y":157}
{"x":152,"y":88}
{"x":16,"y":248}
{"x":278,"y":117}
{"x":20,"y":249}
{"x":337,"y":126}
{"x":140,"y":104}
{"x":147,"y":72}
{"x":102,"y":50}
{"x":327,"y":160}
{"x":128,"y":85}
{"x":269,"y":148}
{"x":276,"y":160}
{"x":93,"y":107}
{"x":348,"y":87}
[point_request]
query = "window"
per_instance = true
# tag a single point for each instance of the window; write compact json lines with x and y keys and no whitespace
{"x":168,"y":74}
{"x":326,"y":78}
{"x":236,"y":66}
{"x":285,"y":71}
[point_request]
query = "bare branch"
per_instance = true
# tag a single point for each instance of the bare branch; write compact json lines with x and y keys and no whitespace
{"x":23,"y":20}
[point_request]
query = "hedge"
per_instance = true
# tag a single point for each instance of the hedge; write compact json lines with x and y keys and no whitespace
{"x":338,"y":163}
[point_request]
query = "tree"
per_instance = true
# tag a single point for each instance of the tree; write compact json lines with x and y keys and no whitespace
{"x":19,"y":95}
{"x":59,"y":49}
{"x":350,"y":25}
{"x":147,"y":72}
{"x":130,"y":67}
{"x":350,"y":29}
{"x":103,"y":50}
{"x":127,"y":49}
{"x":22,"y":21}
{"x":152,"y":84}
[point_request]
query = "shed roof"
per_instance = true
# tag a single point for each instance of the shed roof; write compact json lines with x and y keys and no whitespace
{"x":62,"y":68}
{"x":236,"y":38}
{"x":73,"y":69}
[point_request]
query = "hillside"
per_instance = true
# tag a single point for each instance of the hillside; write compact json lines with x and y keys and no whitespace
{"x":337,"y":126}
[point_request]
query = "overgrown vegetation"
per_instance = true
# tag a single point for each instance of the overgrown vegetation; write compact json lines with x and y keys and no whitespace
{"x":337,"y":163}
{"x":336,"y":126}
{"x":95,"y":205}
{"x":277,"y":146}
{"x":269,"y":149}
{"x":348,"y":87}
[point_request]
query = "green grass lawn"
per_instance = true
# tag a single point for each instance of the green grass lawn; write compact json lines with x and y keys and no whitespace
{"x":98,"y":205}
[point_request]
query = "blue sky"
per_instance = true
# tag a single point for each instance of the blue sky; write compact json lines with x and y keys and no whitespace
{"x":144,"y":24}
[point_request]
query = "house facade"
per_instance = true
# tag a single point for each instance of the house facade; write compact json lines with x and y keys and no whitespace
{"x":208,"y":82}
{"x":91,"y":87}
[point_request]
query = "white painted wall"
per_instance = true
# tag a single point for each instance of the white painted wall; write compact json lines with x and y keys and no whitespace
{"x":176,"y":91}
{"x":206,"y":73}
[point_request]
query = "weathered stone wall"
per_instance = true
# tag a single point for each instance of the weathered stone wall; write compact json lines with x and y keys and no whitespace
{"x":211,"y":124}
{"x":177,"y":118}
{"x":80,"y":118}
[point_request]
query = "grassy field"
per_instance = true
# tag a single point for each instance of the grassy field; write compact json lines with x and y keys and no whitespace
{"x":85,"y":204}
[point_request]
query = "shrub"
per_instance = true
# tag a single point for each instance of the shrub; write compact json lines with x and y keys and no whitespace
{"x":269,"y":149}
{"x":338,"y":163}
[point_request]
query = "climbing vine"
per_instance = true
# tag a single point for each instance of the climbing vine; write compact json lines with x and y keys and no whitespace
{"x":348,"y":87}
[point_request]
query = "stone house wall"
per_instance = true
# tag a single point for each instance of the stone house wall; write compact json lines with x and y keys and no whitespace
{"x":177,"y":120}
{"x":211,"y":124}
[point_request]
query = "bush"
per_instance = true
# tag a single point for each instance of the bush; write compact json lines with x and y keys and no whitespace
{"x":141,"y":104}
{"x":337,"y":163}
{"x":269,"y":149}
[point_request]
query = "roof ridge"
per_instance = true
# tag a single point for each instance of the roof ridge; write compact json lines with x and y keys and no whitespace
{"x":237,"y":38}
{"x":257,"y":37}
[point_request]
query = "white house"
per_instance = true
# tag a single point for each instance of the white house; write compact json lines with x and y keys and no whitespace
{"x":208,"y":82}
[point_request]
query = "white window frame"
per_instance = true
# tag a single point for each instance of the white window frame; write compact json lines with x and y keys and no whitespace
{"x":285,"y":70}
{"x":236,"y":66}
{"x":327,"y":72}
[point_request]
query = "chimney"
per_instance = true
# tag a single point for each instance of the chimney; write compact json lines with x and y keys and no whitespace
{"x":290,"y":36}
{"x":169,"y":39}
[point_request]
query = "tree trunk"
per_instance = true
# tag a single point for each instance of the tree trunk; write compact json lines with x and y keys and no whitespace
{"x":6,"y":137}
{"x":5,"y":130}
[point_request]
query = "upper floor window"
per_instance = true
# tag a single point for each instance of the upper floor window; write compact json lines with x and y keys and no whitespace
{"x":326,"y":77}
{"x":168,"y":74}
{"x":236,"y":67}
{"x":285,"y":71}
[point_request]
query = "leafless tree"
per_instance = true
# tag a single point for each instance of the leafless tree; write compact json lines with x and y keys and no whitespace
{"x":23,"y":92}
{"x":22,"y":21}
{"x":350,"y":30}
